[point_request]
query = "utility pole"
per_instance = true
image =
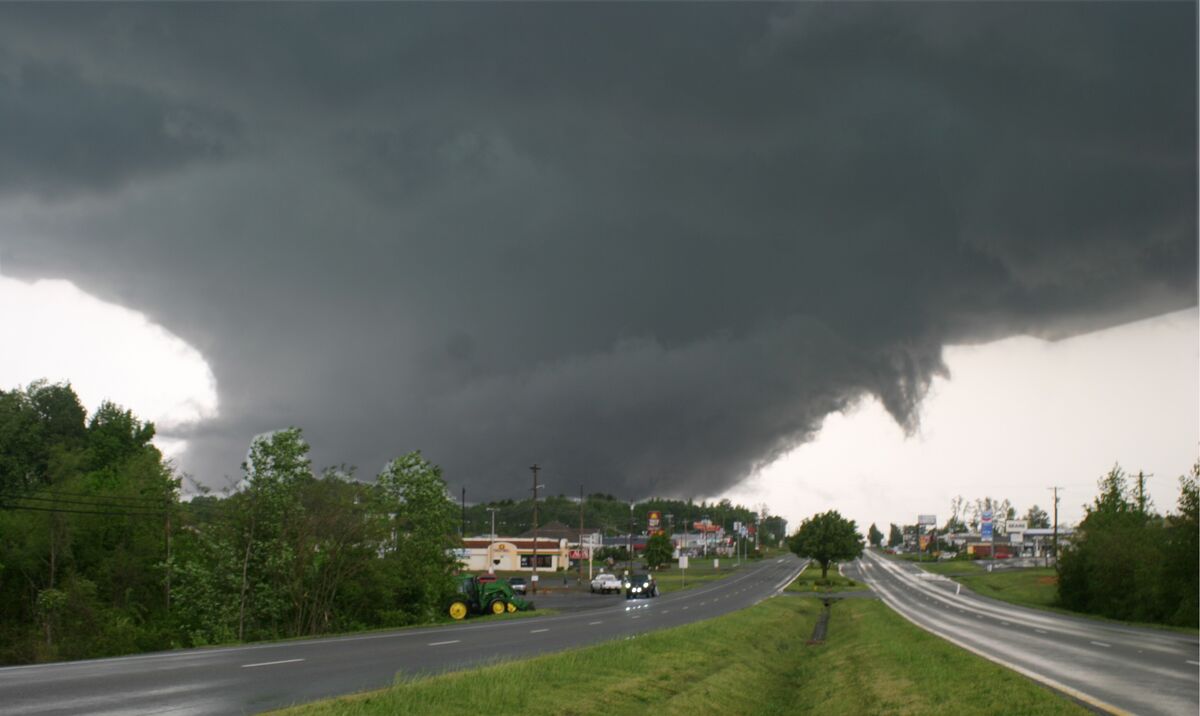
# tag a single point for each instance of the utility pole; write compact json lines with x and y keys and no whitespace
{"x":533,"y":579}
{"x":491,"y":542}
{"x":629,"y":543}
{"x":579,"y":562}
{"x":463,"y":529}
{"x":1055,"y":489}
{"x":1141,"y":489}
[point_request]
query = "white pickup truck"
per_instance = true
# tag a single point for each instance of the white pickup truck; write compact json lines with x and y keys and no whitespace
{"x":605,"y":583}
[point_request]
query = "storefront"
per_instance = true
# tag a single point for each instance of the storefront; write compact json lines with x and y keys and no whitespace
{"x":509,"y":554}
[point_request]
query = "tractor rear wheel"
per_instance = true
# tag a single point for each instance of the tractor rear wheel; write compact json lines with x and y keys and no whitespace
{"x":498,"y":607}
{"x":458,"y":610}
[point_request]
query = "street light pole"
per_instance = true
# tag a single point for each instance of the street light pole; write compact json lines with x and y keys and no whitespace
{"x":491,"y":542}
{"x":533,"y":579}
{"x":629,"y":543}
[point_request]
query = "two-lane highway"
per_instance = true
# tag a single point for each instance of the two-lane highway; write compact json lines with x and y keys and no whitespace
{"x":255,"y":678}
{"x":1112,"y":667}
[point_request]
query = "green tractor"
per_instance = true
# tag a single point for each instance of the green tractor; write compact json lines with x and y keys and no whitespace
{"x":477,"y":596}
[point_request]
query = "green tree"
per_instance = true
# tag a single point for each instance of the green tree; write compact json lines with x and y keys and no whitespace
{"x":826,"y":538}
{"x":895,"y":536}
{"x":1182,"y":570}
{"x":275,"y":471}
{"x":1122,"y":563}
{"x":874,"y":536}
{"x":424,"y":527}
{"x":659,"y":551}
{"x":1037,"y":518}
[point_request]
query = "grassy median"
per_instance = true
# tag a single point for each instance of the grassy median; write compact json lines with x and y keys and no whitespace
{"x":754,"y":661}
{"x":810,"y":581}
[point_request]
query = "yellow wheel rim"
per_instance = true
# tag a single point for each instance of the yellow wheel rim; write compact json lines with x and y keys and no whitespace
{"x":511,"y":607}
{"x":497,"y":607}
{"x":458,"y":610}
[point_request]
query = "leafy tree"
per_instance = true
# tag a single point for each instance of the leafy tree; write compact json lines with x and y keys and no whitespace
{"x":424,"y":523}
{"x":1037,"y":518}
{"x":659,"y":551}
{"x":895,"y":536}
{"x":826,"y":538}
{"x":1127,"y":562}
{"x":874,"y":536}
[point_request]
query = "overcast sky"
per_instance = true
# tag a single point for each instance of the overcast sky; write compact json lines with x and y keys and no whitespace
{"x":651,"y":247}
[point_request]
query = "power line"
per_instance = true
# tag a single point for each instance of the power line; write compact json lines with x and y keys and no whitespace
{"x":85,"y":503}
{"x":134,"y":498}
{"x":80,"y":512}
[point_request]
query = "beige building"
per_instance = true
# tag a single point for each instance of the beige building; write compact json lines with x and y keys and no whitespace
{"x":515,"y":554}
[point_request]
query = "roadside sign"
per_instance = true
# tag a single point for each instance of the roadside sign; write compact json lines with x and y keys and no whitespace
{"x":1016,"y":526}
{"x":924,"y":520}
{"x":683,"y":561}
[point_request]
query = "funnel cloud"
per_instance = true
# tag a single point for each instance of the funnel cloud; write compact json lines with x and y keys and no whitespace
{"x":650,"y":247}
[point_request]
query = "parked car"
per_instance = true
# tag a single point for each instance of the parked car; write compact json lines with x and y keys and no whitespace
{"x":518,"y":584}
{"x":641,"y":586}
{"x":605,"y":583}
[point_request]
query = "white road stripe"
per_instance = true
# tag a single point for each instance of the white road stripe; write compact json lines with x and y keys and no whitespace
{"x":1041,"y":631}
{"x":271,"y":663}
{"x":594,"y":623}
{"x":1100,"y":643}
{"x":1194,"y":663}
{"x":537,"y":631}
{"x":443,"y":643}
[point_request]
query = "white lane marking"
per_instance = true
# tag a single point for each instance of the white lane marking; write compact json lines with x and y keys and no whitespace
{"x":537,"y":631}
{"x":637,"y":616}
{"x":1100,"y":643}
{"x":594,"y":623}
{"x":271,"y":663}
{"x":1194,"y":663}
{"x":1005,"y":623}
{"x":685,"y":608}
{"x":1041,"y":631}
{"x":666,"y":611}
{"x":443,"y":643}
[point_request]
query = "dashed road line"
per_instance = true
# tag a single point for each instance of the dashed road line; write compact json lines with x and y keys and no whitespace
{"x":1041,"y":631}
{"x":537,"y":631}
{"x":443,"y":643}
{"x":1100,"y":643}
{"x":594,"y":623}
{"x":271,"y":663}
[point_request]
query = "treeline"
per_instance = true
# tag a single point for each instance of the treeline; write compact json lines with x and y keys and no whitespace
{"x":1128,"y":562}
{"x":99,"y":555}
{"x":613,"y":516}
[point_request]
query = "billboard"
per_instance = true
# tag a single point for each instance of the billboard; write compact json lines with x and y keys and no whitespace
{"x":985,"y":525}
{"x":654,"y":523}
{"x":1016,"y":526}
{"x":924,"y":520}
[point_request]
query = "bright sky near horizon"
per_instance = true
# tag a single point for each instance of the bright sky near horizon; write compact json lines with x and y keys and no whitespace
{"x":1016,"y":416}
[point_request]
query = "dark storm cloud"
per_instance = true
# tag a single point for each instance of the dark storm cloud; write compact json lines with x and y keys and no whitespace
{"x":650,"y":246}
{"x":64,"y":135}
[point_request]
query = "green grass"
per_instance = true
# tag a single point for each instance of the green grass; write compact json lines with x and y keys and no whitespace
{"x":752,"y":661}
{"x":699,"y":572}
{"x":810,"y":581}
{"x":1031,"y":587}
{"x":1035,"y":587}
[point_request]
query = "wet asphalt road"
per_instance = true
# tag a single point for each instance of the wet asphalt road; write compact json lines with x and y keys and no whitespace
{"x":256,"y":678}
{"x":1111,"y":667}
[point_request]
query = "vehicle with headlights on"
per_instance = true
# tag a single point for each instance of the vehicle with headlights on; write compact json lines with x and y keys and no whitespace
{"x":640,"y":586}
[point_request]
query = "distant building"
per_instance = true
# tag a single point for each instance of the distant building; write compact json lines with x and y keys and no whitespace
{"x":514,"y":554}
